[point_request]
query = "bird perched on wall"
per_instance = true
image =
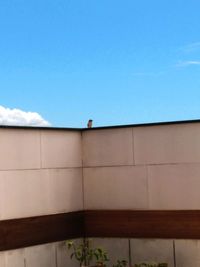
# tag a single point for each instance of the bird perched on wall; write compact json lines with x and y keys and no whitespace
{"x":89,"y":124}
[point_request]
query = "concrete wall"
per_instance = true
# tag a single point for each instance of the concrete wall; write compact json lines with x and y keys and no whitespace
{"x":154,"y":167}
{"x":151,"y":168}
{"x":47,"y":255}
{"x":40,"y":174}
{"x":142,"y":167}
{"x":40,"y":171}
{"x":177,"y":253}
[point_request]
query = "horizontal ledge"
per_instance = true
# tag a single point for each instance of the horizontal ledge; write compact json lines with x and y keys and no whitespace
{"x":180,"y":224}
{"x":24,"y":232}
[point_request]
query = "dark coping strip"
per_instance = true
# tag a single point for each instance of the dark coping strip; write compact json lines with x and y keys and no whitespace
{"x":99,"y":127}
{"x":143,"y":224}
{"x":39,"y":128}
{"x":24,"y":232}
{"x":141,"y":125}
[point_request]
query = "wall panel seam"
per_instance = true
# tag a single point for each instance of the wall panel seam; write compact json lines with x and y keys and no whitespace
{"x":40,"y":149}
{"x":148,"y":187}
{"x":144,"y":164}
{"x":82,"y":170}
{"x":133,"y":146}
{"x":38,"y":169}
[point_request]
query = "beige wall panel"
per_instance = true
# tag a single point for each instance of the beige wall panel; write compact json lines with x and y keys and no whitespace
{"x":46,"y":255}
{"x":61,"y":149}
{"x":23,"y":194}
{"x":108,"y":147}
{"x":65,"y":189}
{"x":2,"y":259}
{"x":40,"y":192}
{"x":187,"y":253}
{"x":167,"y":144}
{"x":1,"y":195}
{"x":152,"y":250}
{"x":117,"y":248}
{"x":41,"y":256}
{"x":174,"y":186}
{"x":63,"y":255}
{"x":115,"y":188}
{"x":15,"y":258}
{"x":20,"y":149}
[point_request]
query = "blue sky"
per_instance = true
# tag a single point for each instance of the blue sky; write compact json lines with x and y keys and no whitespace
{"x":117,"y":62}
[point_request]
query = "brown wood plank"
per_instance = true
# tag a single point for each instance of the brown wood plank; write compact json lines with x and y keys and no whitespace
{"x":18,"y":233}
{"x":143,"y":224}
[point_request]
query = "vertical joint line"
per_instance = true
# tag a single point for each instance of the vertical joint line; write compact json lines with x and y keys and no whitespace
{"x":82,"y":173}
{"x":129,"y":252}
{"x":174,"y":253}
{"x":133,"y":146}
{"x":56,"y":255}
{"x":24,"y":262}
{"x":40,"y":149}
{"x":147,"y":183}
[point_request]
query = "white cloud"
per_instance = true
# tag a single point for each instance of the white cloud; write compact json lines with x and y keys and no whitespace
{"x":150,"y":74}
{"x":188,"y":63}
{"x":21,"y":118}
{"x":191,"y":47}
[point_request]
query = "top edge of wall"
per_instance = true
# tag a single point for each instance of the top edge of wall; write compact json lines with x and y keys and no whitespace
{"x":99,"y":127}
{"x":39,"y":128}
{"x":142,"y":124}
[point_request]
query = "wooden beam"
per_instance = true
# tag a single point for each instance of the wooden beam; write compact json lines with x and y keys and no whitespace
{"x":24,"y":232}
{"x":18,"y":233}
{"x":143,"y":224}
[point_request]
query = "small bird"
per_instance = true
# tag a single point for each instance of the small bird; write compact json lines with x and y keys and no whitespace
{"x":89,"y":124}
